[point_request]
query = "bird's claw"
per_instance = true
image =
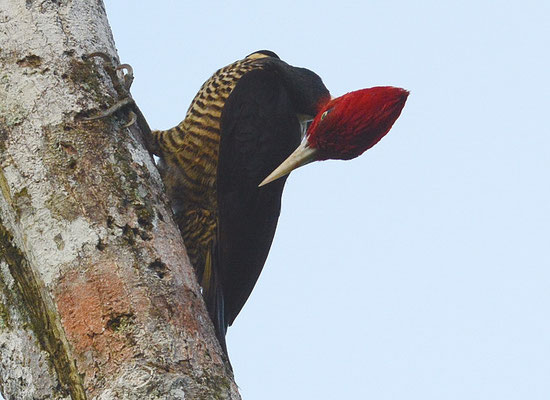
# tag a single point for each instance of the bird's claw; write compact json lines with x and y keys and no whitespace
{"x":113,"y":109}
{"x":121,"y":86}
{"x":106,"y":57}
{"x":132,"y":121}
{"x":128,"y":77}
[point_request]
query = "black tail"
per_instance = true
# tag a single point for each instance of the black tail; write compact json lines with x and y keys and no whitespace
{"x":215,"y":305}
{"x":213,"y":296}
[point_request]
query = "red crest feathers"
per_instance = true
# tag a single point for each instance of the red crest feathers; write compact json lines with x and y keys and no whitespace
{"x":349,"y":125}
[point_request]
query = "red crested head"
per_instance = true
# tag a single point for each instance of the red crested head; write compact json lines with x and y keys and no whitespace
{"x":346,"y":127}
{"x":349,"y":125}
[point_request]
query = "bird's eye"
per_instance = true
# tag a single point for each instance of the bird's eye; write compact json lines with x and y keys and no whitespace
{"x":325,"y":114}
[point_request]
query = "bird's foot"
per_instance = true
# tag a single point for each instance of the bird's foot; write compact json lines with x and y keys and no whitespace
{"x":121,"y":86}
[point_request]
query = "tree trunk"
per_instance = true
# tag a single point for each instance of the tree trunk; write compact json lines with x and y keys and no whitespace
{"x":98,"y":299}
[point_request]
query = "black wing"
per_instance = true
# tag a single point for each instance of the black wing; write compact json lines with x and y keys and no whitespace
{"x":259,"y":129}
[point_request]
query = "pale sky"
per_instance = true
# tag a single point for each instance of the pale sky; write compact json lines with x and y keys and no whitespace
{"x":420,"y":270}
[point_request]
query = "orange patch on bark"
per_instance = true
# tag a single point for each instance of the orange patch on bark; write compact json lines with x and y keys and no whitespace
{"x":96,"y":314}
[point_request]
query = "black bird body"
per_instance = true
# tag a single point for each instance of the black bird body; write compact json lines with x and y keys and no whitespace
{"x":243,"y":122}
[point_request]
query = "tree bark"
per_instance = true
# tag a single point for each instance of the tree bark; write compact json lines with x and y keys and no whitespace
{"x":98,"y":299}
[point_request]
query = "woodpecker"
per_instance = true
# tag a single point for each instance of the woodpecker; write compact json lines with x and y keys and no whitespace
{"x":244,"y":121}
